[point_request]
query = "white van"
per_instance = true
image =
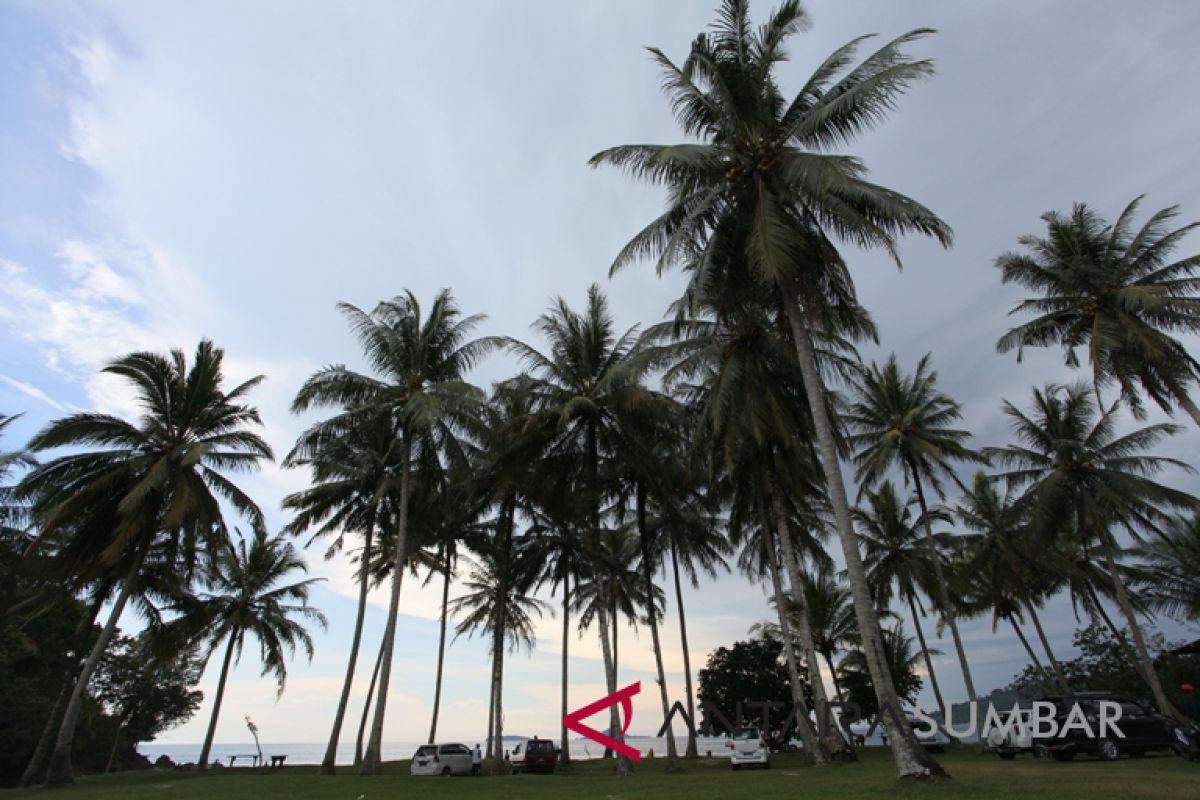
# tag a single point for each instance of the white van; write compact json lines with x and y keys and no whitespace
{"x":749,"y":747}
{"x":441,"y":759}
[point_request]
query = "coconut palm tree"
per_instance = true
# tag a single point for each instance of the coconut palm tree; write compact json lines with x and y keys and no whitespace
{"x":588,"y":379}
{"x":902,"y":661}
{"x":419,"y":363}
{"x":246,"y":594}
{"x":1172,"y":585}
{"x":1116,"y":292}
{"x":352,"y":475}
{"x":129,"y":489}
{"x":900,"y":420}
{"x":898,"y":564}
{"x":831,"y":616}
{"x":1079,"y":473}
{"x":14,"y":517}
{"x":755,"y":194}
{"x":499,"y":604}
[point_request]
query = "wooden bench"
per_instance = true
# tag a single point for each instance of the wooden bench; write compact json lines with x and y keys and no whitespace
{"x":255,"y":758}
{"x":277,"y":761}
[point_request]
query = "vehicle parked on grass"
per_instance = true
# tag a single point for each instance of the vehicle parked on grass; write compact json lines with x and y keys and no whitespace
{"x":534,"y":755}
{"x":1142,"y":729}
{"x":749,"y":746}
{"x":441,"y":759}
{"x":1015,"y":737}
{"x":932,"y":742}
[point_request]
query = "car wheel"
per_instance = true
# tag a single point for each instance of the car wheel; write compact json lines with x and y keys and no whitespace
{"x":1059,"y":756}
{"x":766,"y":765}
{"x":445,"y":770}
{"x":1107,"y":749}
{"x":737,"y":767}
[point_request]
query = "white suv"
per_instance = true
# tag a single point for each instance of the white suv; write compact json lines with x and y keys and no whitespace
{"x":1018,"y":739}
{"x":749,"y":747}
{"x":441,"y":759}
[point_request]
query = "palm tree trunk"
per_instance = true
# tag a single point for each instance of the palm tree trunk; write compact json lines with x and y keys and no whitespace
{"x":60,"y":772}
{"x":830,"y":739}
{"x":564,"y":753}
{"x":329,"y":762}
{"x":608,"y":751}
{"x":1037,"y":664}
{"x":491,"y":725}
{"x":1149,"y":674}
{"x":813,"y":749}
{"x":437,"y":687}
{"x":1059,"y":676}
{"x":112,"y":754}
{"x":692,"y":750}
{"x":499,"y":766}
{"x":362,"y":725}
{"x":202,"y":764}
{"x":837,"y":686}
{"x":912,"y":761}
{"x":652,"y":615}
{"x":943,"y":598}
{"x":933,"y":682}
{"x":373,"y":760}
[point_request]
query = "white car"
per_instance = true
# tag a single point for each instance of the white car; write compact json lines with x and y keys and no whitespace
{"x":441,"y":759}
{"x":1018,"y":739}
{"x":749,"y":747}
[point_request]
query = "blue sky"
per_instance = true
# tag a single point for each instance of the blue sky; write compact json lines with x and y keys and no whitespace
{"x":232,"y":170}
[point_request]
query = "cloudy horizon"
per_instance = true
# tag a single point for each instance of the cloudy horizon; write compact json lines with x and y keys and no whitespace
{"x":229,"y":170}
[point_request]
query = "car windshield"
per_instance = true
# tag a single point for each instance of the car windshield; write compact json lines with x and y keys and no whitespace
{"x":744,"y":734}
{"x":540,"y":747}
{"x":426,"y":750}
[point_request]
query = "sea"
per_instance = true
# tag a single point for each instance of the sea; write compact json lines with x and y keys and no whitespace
{"x":313,"y":752}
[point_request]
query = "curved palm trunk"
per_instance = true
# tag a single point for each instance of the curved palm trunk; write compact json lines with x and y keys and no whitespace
{"x":329,"y":762}
{"x":943,"y":598}
{"x":564,"y":752}
{"x":362,"y":725}
{"x":1149,"y":674}
{"x":813,"y":750}
{"x":112,"y":754}
{"x":912,"y":761}
{"x":437,"y":687}
{"x":829,"y":738}
{"x":933,"y":682}
{"x":1059,"y":676}
{"x":373,"y":759}
{"x":1037,"y":664}
{"x":692,"y":750}
{"x":652,"y":615}
{"x":202,"y":764}
{"x":60,"y":771}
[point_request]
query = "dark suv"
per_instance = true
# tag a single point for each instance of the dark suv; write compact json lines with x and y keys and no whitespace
{"x":534,"y":755}
{"x":1142,"y":729}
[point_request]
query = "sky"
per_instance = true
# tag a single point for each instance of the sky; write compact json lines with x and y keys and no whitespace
{"x":232,"y":170}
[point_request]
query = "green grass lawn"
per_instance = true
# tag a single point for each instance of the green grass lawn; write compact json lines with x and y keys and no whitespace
{"x":975,"y":776}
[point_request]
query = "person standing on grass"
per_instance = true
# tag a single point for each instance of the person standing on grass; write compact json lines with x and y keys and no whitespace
{"x":476,"y":760}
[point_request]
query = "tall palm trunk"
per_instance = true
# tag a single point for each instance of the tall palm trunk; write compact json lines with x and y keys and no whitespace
{"x":329,"y":762}
{"x":499,"y":767}
{"x":692,"y":750}
{"x":933,"y":681}
{"x":564,"y":754}
{"x":362,"y":725}
{"x":652,"y":614}
{"x":813,"y":749}
{"x":60,"y":771}
{"x":437,"y":686}
{"x":491,"y":724}
{"x":508,"y":513}
{"x":373,"y":760}
{"x":1037,"y":664}
{"x":202,"y":764}
{"x":1145,"y":662}
{"x":112,"y":754}
{"x":943,"y":598}
{"x":608,"y":751}
{"x":831,"y":741}
{"x":912,"y":761}
{"x":1059,"y":675}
